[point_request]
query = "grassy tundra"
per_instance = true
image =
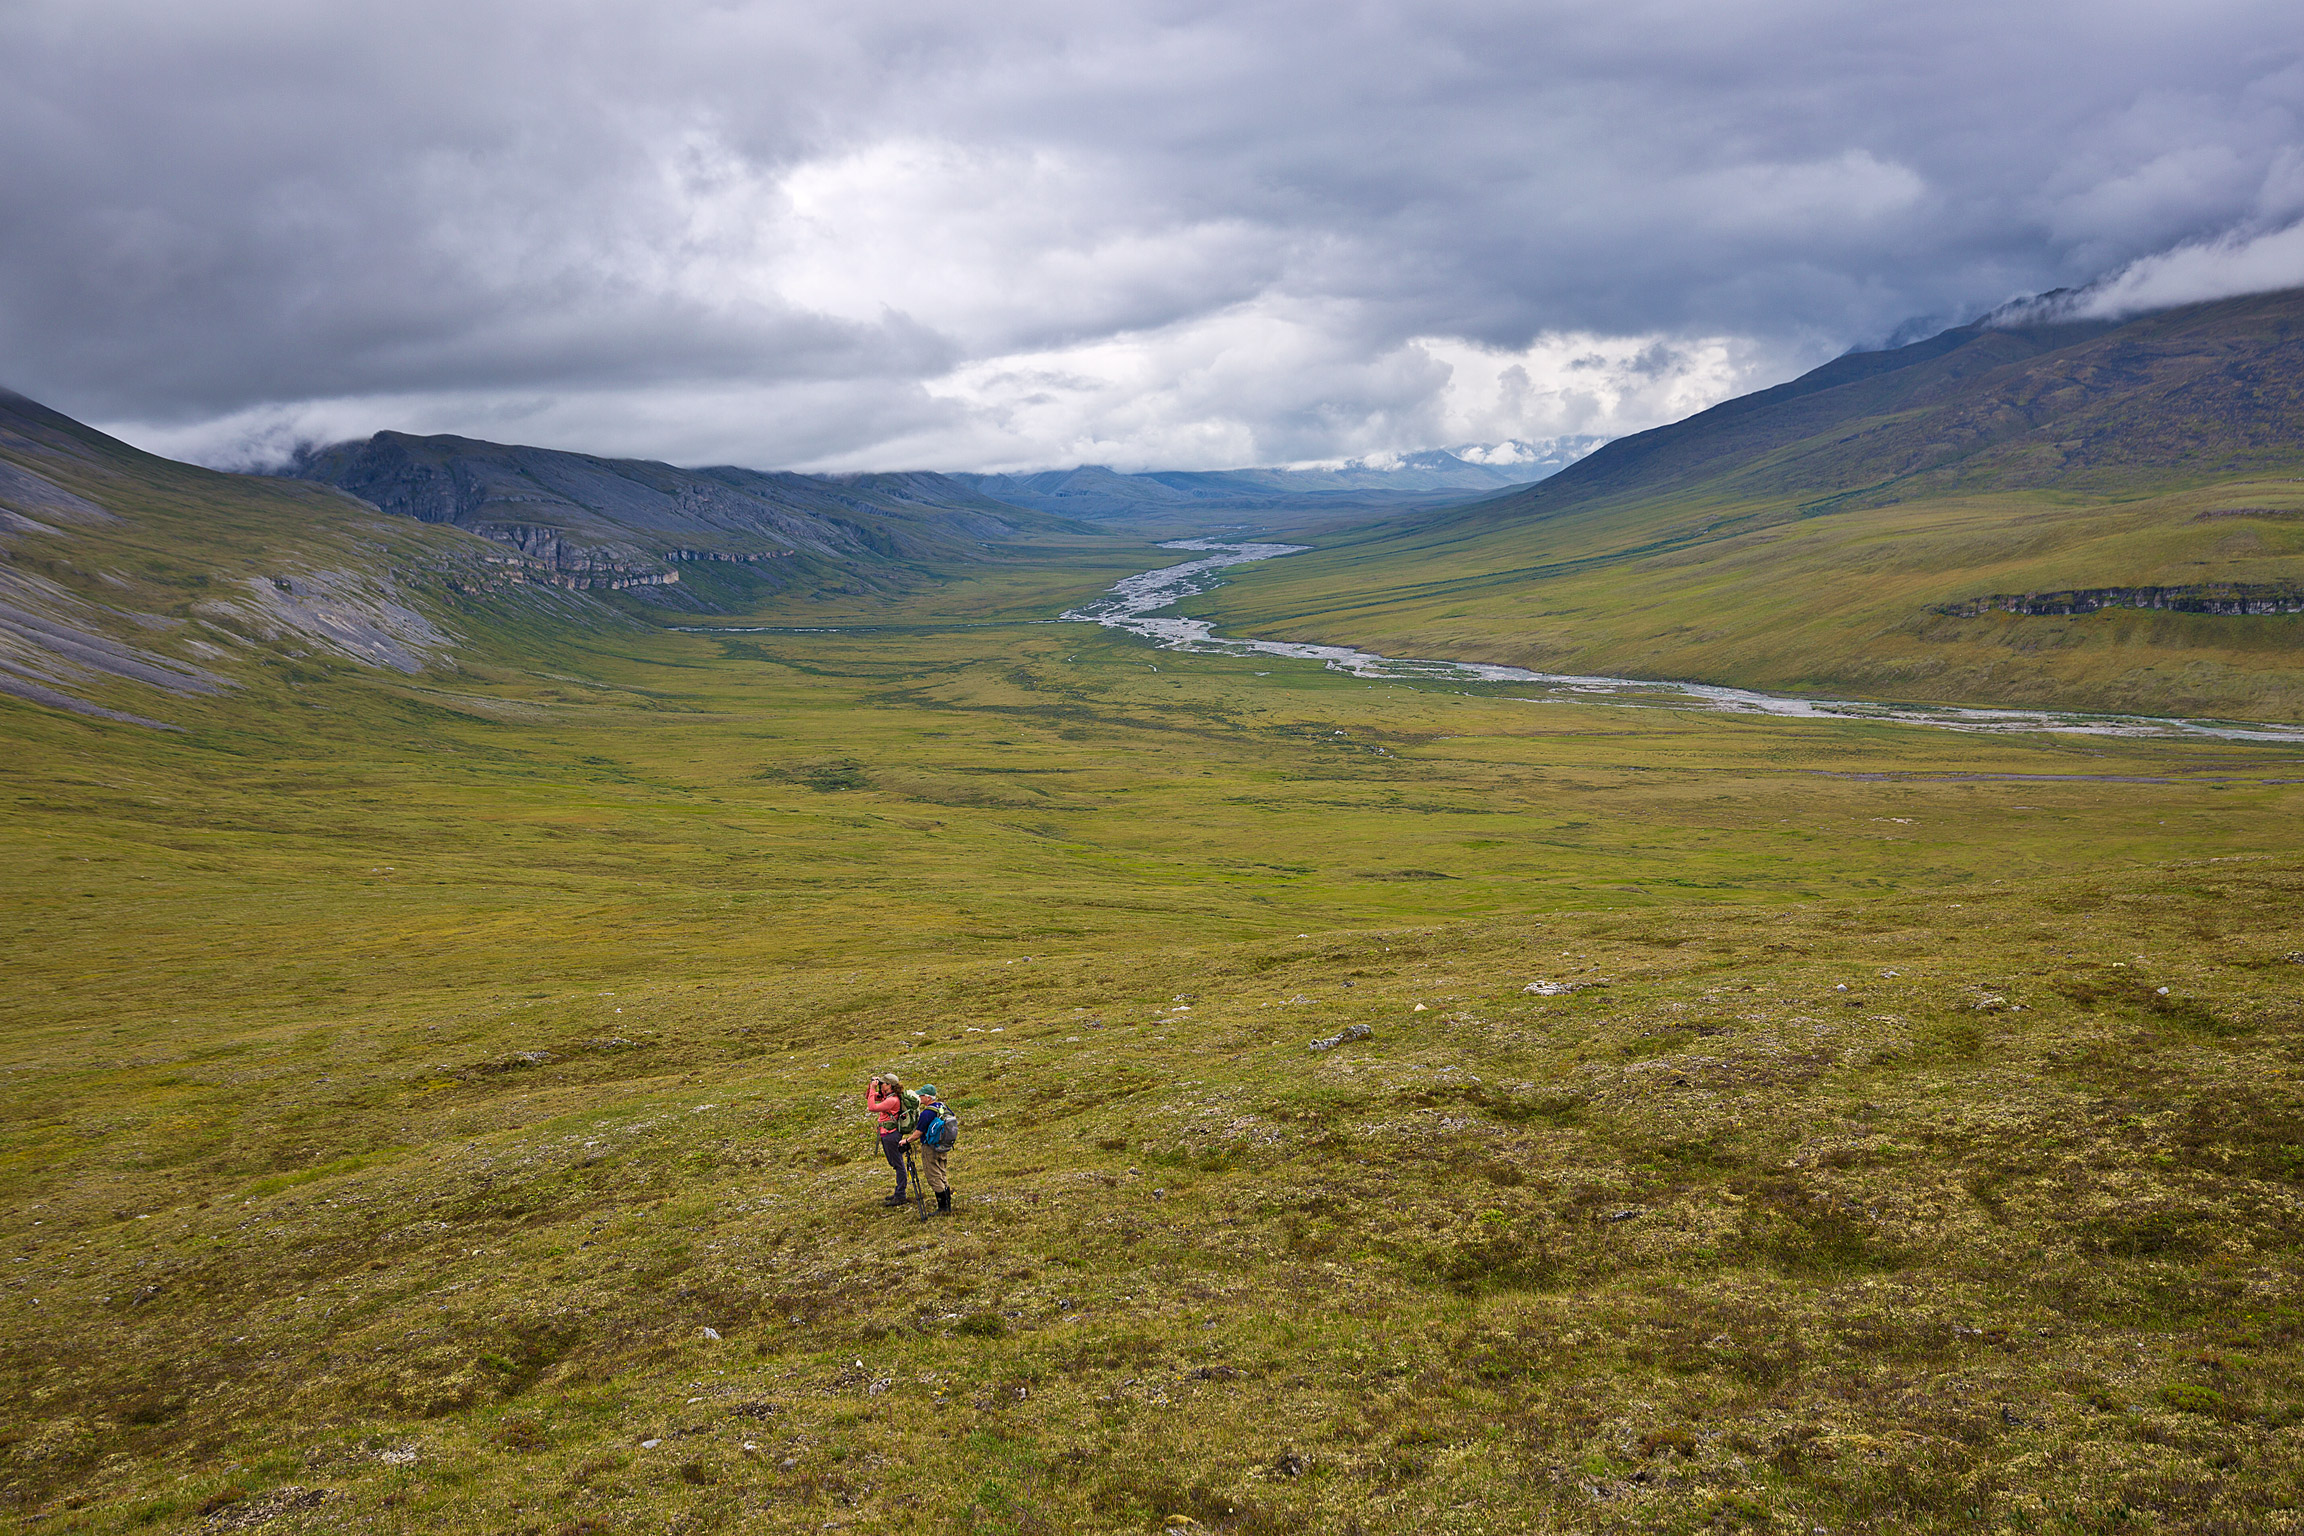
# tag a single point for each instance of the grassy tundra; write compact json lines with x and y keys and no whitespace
{"x":402,"y":1075}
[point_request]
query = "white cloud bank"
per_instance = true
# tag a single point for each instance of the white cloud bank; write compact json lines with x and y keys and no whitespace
{"x":2221,"y":268}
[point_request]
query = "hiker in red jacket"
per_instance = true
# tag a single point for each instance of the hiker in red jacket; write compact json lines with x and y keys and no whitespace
{"x":899,"y":1110}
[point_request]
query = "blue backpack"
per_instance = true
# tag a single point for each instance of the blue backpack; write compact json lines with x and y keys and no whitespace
{"x":938,"y":1130}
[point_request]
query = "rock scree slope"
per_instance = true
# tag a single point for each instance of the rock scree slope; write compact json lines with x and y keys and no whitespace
{"x":128,"y":581}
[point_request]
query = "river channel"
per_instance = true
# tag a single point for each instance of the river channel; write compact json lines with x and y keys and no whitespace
{"x":1136,"y":606}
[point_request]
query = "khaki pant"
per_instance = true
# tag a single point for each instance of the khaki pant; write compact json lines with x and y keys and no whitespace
{"x":932,"y":1166}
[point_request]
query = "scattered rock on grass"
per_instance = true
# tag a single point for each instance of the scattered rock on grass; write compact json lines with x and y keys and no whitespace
{"x":515,"y":1062}
{"x":243,"y":1514}
{"x":1356,"y":1032}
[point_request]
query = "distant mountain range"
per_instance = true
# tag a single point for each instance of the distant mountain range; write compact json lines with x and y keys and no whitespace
{"x":630,"y":524}
{"x":1094,"y":493}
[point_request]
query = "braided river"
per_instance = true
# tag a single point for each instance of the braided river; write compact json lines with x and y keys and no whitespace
{"x":1137,"y":606}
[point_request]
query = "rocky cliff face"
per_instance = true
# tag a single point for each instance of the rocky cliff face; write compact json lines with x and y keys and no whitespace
{"x":549,"y":557}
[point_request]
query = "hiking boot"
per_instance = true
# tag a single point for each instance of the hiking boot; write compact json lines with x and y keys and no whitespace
{"x":943,"y":1199}
{"x":894,"y":1199}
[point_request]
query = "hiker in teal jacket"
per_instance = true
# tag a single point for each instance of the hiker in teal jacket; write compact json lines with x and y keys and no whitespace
{"x":932,"y":1156}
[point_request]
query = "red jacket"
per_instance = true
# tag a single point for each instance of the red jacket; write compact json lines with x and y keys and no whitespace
{"x":888,"y":1106}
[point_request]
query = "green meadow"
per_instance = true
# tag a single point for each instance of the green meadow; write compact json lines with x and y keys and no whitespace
{"x":433,"y":1103}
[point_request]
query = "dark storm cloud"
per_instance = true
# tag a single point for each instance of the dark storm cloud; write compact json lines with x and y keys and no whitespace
{"x":1011,"y":233}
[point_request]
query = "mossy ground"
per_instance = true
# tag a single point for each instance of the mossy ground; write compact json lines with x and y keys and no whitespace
{"x":401,"y":1077}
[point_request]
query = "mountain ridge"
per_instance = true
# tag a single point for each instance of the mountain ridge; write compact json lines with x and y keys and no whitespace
{"x":587,"y":520}
{"x":1987,"y":392}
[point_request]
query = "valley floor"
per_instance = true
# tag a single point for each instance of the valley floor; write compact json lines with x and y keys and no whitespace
{"x":435,"y":1104}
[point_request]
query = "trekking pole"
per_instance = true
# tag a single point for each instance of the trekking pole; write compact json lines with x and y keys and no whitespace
{"x":919,"y":1190}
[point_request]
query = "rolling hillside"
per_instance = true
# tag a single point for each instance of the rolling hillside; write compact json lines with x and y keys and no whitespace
{"x":1876,"y":526}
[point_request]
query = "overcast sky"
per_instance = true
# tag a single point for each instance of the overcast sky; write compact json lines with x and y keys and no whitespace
{"x":869,"y":235}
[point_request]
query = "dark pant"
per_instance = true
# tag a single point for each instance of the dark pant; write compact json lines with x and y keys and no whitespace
{"x":892,"y":1147}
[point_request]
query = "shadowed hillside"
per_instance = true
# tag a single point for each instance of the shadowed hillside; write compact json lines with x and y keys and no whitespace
{"x":634,"y":525}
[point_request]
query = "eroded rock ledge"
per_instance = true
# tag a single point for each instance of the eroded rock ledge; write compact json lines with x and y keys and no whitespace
{"x":2224,"y":598}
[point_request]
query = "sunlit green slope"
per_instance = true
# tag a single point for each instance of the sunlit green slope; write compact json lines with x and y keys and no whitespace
{"x":1865,"y":529}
